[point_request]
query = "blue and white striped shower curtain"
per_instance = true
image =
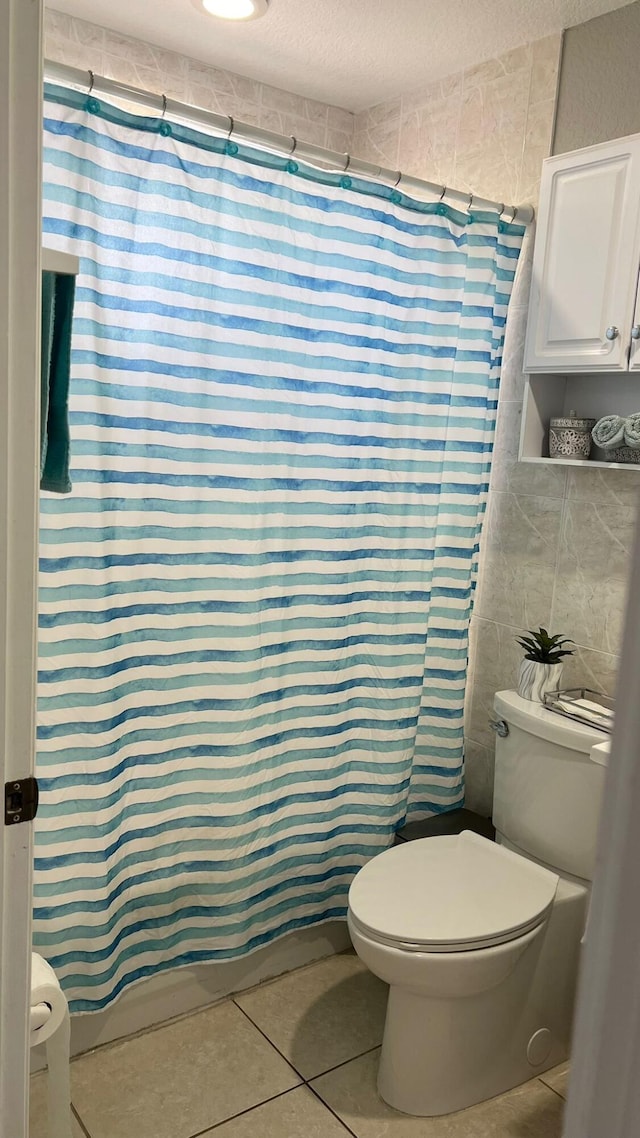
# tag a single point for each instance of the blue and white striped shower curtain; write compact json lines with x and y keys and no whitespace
{"x":254,"y":603}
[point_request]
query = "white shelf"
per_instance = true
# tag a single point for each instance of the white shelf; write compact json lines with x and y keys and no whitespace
{"x":590,"y":462}
{"x":590,"y":396}
{"x":53,"y":261}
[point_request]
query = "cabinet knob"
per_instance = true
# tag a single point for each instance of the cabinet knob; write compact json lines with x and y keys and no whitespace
{"x":612,"y":332}
{"x":635,"y":332}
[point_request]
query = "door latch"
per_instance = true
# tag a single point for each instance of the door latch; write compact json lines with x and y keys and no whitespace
{"x":20,"y":801}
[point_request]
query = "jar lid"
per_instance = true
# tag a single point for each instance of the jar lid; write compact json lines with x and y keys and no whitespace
{"x":569,"y":422}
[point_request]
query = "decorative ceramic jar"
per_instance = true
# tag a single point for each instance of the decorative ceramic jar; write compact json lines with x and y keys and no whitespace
{"x":570,"y":437}
{"x":536,"y":679}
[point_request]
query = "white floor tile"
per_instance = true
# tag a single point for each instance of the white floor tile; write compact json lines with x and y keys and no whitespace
{"x":530,"y":1111}
{"x":179,"y":1079}
{"x":38,"y":1115}
{"x":321,"y":1015}
{"x":297,"y":1114}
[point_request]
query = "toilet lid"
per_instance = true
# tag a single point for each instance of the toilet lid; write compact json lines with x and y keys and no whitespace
{"x":450,"y":894}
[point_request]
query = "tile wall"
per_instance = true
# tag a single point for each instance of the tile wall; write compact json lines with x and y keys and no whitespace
{"x":556,"y":542}
{"x":556,"y":545}
{"x":80,"y":44}
{"x":486,"y":129}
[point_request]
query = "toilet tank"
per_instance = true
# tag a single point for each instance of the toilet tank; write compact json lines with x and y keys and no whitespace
{"x":548,"y":785}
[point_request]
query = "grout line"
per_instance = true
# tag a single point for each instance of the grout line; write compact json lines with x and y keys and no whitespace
{"x":273,"y":1098}
{"x":525,"y":131}
{"x":79,"y":1121}
{"x":269,"y":980}
{"x":520,"y":630}
{"x":331,"y":1110}
{"x":459,"y":97}
{"x":230,"y":997}
{"x":318,"y":1074}
{"x":306,"y":1080}
{"x":148,"y":1030}
{"x":556,"y":560}
{"x":477,"y":742}
{"x":556,"y":93}
{"x":271,"y":1043}
{"x":248,"y":1110}
{"x":344,"y":1062}
{"x":553,"y":1089}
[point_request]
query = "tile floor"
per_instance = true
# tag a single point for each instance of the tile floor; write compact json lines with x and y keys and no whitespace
{"x":293,"y":1058}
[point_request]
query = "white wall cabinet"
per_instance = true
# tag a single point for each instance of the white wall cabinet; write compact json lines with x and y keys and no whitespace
{"x":582,"y":345}
{"x":634,"y":352}
{"x":582,"y":308}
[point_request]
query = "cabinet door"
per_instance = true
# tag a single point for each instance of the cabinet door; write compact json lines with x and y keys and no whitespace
{"x":634,"y":346}
{"x":586,"y":256}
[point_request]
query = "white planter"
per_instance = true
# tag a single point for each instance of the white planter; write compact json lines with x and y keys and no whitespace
{"x":536,"y":679}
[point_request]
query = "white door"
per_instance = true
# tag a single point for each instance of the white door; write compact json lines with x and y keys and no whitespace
{"x":586,"y":259}
{"x":20,"y":133}
{"x":604,"y":1090}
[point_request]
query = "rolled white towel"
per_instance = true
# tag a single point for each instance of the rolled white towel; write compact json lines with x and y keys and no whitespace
{"x":632,"y":431}
{"x":609,"y":432}
{"x":599,"y":718}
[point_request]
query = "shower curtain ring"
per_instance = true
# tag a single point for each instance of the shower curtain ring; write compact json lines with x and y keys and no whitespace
{"x":295,"y":143}
{"x":347,"y":163}
{"x":470,"y":203}
{"x":91,"y":81}
{"x":398,"y":179}
{"x":164,"y":105}
{"x":443,"y":192}
{"x":230,"y":130}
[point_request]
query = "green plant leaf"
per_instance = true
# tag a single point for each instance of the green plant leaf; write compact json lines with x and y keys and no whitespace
{"x":544,"y":648}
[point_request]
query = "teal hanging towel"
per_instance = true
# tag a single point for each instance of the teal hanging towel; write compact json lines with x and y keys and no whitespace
{"x":58,"y":290}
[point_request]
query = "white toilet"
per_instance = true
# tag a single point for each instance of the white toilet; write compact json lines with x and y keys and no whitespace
{"x":480,"y":941}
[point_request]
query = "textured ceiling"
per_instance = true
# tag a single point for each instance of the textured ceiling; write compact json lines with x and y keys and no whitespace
{"x":351,"y":53}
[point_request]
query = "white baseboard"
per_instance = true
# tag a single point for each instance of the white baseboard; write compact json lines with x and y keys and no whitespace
{"x":184,"y":990}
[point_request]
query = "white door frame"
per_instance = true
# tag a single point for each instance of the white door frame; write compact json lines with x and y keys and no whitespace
{"x":20,"y":229}
{"x":604,"y":1096}
{"x":604,"y":1088}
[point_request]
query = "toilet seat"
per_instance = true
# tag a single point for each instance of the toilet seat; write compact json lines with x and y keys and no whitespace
{"x":449,"y":894}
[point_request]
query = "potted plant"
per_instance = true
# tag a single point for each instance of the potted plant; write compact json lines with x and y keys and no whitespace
{"x":541,"y":669}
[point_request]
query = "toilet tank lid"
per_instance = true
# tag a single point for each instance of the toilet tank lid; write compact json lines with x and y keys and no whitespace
{"x":545,"y":724}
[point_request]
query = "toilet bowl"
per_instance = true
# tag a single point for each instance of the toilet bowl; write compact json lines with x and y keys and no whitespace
{"x":457,"y":927}
{"x":479,"y":941}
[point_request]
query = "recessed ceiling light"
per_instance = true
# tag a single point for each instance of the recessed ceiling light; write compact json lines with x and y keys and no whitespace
{"x":235,"y":9}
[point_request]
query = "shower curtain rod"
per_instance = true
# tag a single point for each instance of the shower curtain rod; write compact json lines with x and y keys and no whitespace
{"x":311,"y":155}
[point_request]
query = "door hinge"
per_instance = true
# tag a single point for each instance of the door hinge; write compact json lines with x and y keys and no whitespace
{"x":20,"y":801}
